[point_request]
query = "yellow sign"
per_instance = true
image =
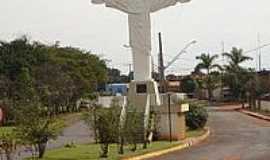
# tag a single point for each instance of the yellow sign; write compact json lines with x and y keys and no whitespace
{"x":185,"y":107}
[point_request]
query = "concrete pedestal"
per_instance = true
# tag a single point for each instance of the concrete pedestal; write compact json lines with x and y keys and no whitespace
{"x":138,"y":95}
{"x":178,"y":121}
{"x":138,"y":92}
{"x":178,"y":125}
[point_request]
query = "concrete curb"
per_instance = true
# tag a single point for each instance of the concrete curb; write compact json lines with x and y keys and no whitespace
{"x":256,"y":115}
{"x":186,"y":144}
{"x":226,"y":109}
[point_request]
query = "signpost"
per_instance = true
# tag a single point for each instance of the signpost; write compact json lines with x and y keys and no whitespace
{"x":169,"y":116}
{"x":184,"y":107}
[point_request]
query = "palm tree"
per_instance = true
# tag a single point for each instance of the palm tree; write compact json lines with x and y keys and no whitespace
{"x":236,"y":75}
{"x":236,"y":57}
{"x":207,"y":63}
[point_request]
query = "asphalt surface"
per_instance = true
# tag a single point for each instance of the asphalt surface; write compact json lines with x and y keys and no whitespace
{"x":234,"y":136}
{"x":77,"y":133}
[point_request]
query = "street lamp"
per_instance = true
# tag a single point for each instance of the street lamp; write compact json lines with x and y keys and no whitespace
{"x":162,"y":68}
{"x":179,"y":54}
{"x":256,"y":49}
{"x":129,"y":64}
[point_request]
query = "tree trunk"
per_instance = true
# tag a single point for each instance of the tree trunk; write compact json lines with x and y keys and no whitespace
{"x":209,"y":90}
{"x":104,"y":150}
{"x":144,"y":145}
{"x":254,"y":106}
{"x":41,"y":149}
{"x":249,"y":102}
{"x":243,"y":104}
{"x":259,"y":104}
{"x":121,"y":145}
{"x":209,"y":95}
{"x":9,"y":156}
{"x":134,"y":148}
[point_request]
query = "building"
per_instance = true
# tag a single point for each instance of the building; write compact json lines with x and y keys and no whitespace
{"x":117,"y":88}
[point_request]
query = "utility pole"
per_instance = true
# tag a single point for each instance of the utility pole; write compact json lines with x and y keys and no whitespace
{"x":129,"y":71}
{"x":162,"y":79}
{"x":153,"y":67}
{"x":222,"y":72}
{"x":169,"y":116}
{"x":259,"y":52}
{"x":162,"y":68}
{"x":129,"y":68}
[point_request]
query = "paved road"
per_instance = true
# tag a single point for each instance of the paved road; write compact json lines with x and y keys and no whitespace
{"x":234,"y":137}
{"x":78,"y":133}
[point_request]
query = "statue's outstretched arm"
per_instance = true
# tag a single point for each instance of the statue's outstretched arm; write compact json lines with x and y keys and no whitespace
{"x":98,"y":1}
{"x":121,"y":5}
{"x":160,"y":4}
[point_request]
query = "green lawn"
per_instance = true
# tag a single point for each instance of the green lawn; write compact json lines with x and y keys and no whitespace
{"x":67,"y":119}
{"x":91,"y":151}
{"x":4,"y":130}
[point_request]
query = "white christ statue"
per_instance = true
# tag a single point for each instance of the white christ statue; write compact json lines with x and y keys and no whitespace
{"x":140,"y":30}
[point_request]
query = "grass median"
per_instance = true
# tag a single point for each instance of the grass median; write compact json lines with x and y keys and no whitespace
{"x":91,"y":151}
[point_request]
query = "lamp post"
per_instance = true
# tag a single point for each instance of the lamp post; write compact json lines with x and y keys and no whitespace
{"x":260,"y":54}
{"x":169,"y":116}
{"x":129,"y":64}
{"x":162,"y":68}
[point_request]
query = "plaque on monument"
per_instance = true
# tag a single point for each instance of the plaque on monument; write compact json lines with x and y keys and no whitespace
{"x":141,"y":88}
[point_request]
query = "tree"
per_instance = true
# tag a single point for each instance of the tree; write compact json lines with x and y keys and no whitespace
{"x":188,"y":85}
{"x":207,"y":63}
{"x":236,"y":58}
{"x":133,"y":127}
{"x":54,"y":76}
{"x":8,"y":143}
{"x":35,"y":127}
{"x":197,"y":116}
{"x":25,"y":90}
{"x":106,"y":122}
{"x":236,"y":75}
{"x":115,"y":76}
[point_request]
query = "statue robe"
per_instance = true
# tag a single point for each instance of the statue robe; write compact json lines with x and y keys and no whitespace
{"x":140,"y":30}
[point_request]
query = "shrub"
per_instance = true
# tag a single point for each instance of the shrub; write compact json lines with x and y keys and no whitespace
{"x":133,"y":129}
{"x":197,"y":116}
{"x":36,"y":128}
{"x":105,"y":123}
{"x":8,"y":143}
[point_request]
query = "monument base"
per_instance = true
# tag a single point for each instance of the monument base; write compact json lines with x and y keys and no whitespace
{"x":178,"y":124}
{"x":140,"y":90}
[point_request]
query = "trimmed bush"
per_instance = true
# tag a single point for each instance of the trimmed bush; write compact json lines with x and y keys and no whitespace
{"x":197,"y":116}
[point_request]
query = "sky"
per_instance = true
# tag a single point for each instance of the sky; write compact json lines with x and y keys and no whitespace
{"x":104,"y":31}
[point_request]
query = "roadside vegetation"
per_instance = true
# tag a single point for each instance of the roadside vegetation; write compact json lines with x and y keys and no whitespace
{"x":197,"y":116}
{"x":92,"y":151}
{"x":41,"y":84}
{"x":240,"y":81}
{"x":234,"y":82}
{"x":38,"y":84}
{"x":113,"y":127}
{"x":210,"y":81}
